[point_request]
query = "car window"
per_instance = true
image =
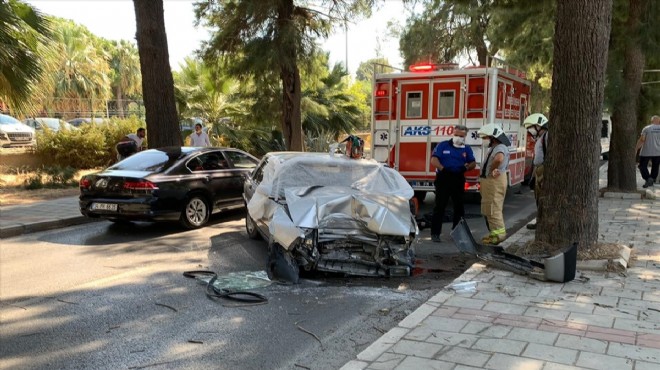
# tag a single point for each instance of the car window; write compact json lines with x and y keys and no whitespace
{"x":150,"y":160}
{"x":258,"y":174}
{"x":208,"y":162}
{"x":241,"y":160}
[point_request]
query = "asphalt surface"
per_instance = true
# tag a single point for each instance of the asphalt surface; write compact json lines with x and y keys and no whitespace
{"x":106,"y":295}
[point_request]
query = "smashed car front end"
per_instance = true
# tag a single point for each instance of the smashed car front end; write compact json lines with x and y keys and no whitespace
{"x":344,"y":230}
{"x":353,"y":218}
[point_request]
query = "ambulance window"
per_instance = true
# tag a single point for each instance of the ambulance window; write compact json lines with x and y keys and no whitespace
{"x":446,"y":103}
{"x":414,"y":105}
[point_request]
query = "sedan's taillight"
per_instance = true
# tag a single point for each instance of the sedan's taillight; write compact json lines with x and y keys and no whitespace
{"x":85,"y":183}
{"x":140,"y":185}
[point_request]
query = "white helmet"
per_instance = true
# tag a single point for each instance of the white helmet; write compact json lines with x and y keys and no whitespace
{"x":536,"y":119}
{"x":495,"y":131}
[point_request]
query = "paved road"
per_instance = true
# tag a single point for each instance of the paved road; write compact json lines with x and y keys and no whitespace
{"x":104,"y":295}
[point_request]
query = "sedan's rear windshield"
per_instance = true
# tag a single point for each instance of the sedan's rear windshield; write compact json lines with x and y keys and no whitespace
{"x":151,"y":160}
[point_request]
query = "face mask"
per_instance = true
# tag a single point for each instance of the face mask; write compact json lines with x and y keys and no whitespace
{"x":458,"y":141}
{"x":533,"y":131}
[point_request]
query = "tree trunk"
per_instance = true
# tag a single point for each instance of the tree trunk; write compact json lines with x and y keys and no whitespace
{"x":621,"y":167}
{"x":568,"y":211}
{"x":157,"y":83}
{"x":290,"y":76}
{"x":120,"y":104}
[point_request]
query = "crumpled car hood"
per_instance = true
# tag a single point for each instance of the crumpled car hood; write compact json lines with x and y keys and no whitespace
{"x":339,"y":197}
{"x":337,"y":207}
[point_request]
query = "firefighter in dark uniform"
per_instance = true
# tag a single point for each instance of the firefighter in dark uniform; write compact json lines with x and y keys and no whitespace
{"x":451,"y":159}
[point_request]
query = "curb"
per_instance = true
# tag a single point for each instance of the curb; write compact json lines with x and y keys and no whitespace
{"x":16,"y":230}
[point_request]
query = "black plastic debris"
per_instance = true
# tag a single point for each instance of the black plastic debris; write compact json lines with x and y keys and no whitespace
{"x":560,"y":268}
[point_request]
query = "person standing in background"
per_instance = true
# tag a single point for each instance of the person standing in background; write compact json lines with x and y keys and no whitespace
{"x":649,"y":143}
{"x":537,"y":126}
{"x":199,"y":137}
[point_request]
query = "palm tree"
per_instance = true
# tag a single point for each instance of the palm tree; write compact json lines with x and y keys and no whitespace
{"x":22,"y":30}
{"x":125,"y":72}
{"x":82,"y":71}
{"x":329,"y":108}
{"x":266,"y":38}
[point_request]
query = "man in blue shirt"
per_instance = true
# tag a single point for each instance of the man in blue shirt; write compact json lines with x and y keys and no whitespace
{"x":451,"y":159}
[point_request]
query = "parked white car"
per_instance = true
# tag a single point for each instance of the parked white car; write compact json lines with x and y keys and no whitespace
{"x":15,"y":133}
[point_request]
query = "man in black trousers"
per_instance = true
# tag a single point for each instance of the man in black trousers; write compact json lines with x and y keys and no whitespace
{"x":451,"y":159}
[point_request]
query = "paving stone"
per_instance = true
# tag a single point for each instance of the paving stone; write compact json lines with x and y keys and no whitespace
{"x":617,"y":312}
{"x":463,"y":367}
{"x":387,"y":361}
{"x":598,"y":361}
{"x":417,"y":363}
{"x":505,"y":308}
{"x":599,"y":320}
{"x":457,"y":301}
{"x":501,"y":361}
{"x":463,"y":356}
{"x":581,"y":343}
{"x":556,"y":366}
{"x":486,"y":330}
{"x":508,"y":346}
{"x":546,"y":313}
{"x":643,"y":365}
{"x":453,"y":339}
{"x":415,"y":348}
{"x":550,"y":353}
{"x":623,"y":293}
{"x":533,"y":336}
{"x":634,"y":352}
{"x":639,"y":326}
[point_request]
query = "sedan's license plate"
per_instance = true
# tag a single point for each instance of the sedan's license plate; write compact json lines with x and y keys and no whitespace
{"x":104,"y":207}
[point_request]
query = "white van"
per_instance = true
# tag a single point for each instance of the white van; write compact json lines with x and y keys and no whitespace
{"x":605,"y":136}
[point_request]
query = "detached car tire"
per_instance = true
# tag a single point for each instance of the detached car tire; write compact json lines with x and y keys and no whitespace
{"x":196,"y":213}
{"x":251,"y":228}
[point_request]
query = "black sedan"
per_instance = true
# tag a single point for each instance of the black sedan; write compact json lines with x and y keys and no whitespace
{"x":169,"y":184}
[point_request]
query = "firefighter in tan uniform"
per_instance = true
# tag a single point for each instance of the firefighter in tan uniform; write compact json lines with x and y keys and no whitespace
{"x":494,"y":182}
{"x":537,"y":126}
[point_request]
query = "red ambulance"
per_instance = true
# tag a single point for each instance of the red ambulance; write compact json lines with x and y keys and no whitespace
{"x":414,"y":111}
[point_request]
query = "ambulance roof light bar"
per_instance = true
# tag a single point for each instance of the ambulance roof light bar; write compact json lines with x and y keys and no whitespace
{"x":423,"y":67}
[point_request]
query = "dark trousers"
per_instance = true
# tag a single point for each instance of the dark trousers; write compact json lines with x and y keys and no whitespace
{"x":644,"y":167}
{"x":448,"y":185}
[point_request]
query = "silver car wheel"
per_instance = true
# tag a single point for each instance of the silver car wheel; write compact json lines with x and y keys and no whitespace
{"x":196,"y":212}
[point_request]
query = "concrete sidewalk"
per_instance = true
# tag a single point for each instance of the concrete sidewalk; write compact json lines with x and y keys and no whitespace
{"x":601,"y":320}
{"x":61,"y":212}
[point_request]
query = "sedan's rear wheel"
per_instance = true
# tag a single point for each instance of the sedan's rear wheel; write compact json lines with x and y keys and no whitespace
{"x":251,"y":227}
{"x":196,"y":213}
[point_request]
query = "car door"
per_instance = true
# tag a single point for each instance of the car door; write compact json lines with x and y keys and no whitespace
{"x":211,"y":168}
{"x":252,"y":181}
{"x":241,"y":164}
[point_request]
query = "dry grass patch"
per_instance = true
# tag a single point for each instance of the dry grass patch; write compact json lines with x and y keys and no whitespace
{"x":13,"y":191}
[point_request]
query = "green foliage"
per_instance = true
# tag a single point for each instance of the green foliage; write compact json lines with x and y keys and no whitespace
{"x":365,"y":71}
{"x":448,"y":29}
{"x":90,"y":146}
{"x":23,"y":30}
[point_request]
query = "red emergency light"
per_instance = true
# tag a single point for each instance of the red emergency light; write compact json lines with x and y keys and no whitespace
{"x":381,"y":93}
{"x":423,"y":67}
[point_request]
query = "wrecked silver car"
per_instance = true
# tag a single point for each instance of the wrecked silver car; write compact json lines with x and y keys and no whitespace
{"x":327,"y":212}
